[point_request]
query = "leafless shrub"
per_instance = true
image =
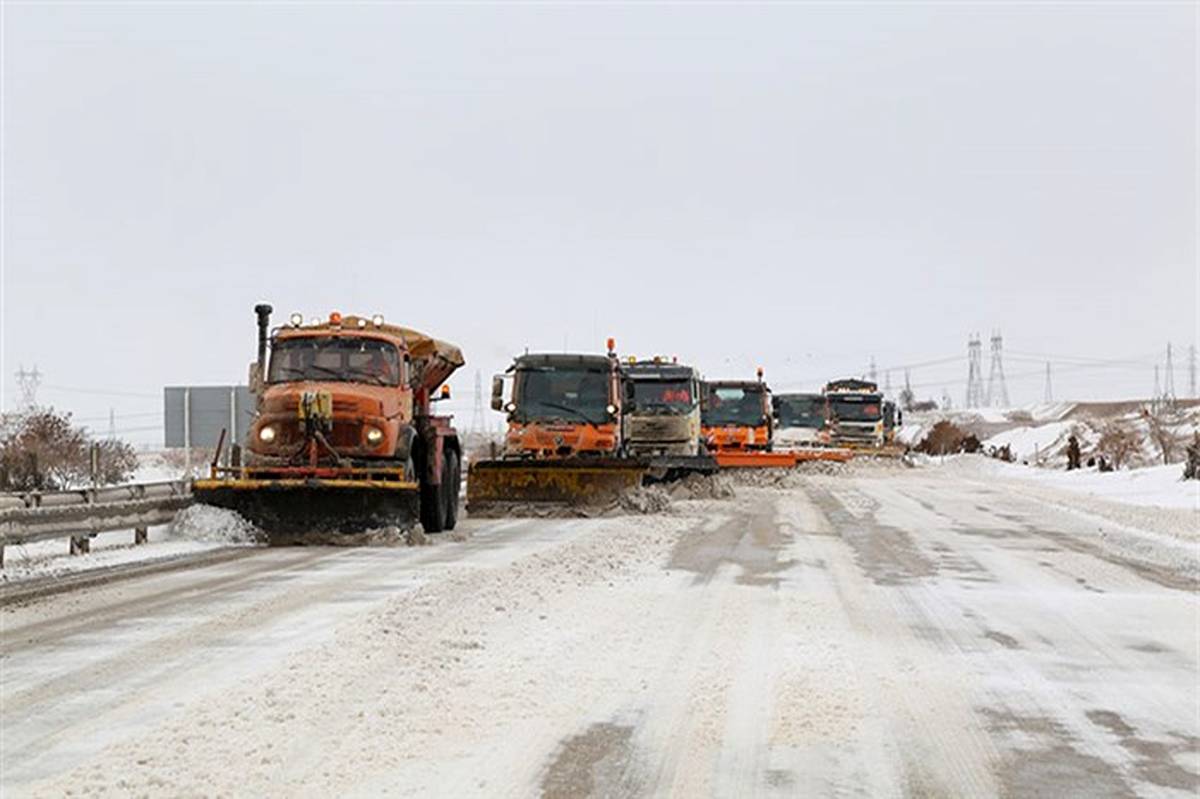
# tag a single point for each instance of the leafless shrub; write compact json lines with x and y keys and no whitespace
{"x":42,"y":449}
{"x":1117,"y":443}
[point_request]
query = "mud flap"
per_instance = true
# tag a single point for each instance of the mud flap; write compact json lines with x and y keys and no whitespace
{"x":495,"y":483}
{"x":288,"y":509}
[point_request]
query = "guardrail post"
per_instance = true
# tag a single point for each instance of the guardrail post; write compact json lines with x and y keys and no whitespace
{"x":80,"y":545}
{"x":140,"y":535}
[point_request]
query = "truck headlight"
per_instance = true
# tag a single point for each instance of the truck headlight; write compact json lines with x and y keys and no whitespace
{"x":374,"y":436}
{"x":612,"y":410}
{"x":266,"y":434}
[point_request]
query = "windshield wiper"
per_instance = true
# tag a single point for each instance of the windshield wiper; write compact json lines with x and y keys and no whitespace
{"x":568,"y":409}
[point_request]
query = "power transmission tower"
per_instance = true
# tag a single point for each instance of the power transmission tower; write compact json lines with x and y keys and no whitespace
{"x":871,"y":370}
{"x":1192,"y":370}
{"x":28,"y":383}
{"x":974,"y":372}
{"x":477,"y":420}
{"x":906,"y":396}
{"x":997,"y":391}
{"x":887,"y":383}
{"x":1049,"y":396}
{"x":112,"y":425}
{"x":1169,"y":378}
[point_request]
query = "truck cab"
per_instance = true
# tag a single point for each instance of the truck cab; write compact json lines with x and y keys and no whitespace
{"x":561,"y":405}
{"x":801,"y":420}
{"x":855,"y":413}
{"x":736,"y":415}
{"x":661,"y":413}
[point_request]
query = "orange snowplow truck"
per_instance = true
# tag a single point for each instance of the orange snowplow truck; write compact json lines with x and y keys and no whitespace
{"x":344,"y":437}
{"x":563,"y":443}
{"x":736,"y":415}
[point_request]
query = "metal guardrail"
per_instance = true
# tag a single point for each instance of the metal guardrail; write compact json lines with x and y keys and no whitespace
{"x":81,"y":513}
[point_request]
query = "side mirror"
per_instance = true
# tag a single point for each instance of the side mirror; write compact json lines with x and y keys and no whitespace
{"x":497,"y":393}
{"x":444,"y":394}
{"x":255,"y":380}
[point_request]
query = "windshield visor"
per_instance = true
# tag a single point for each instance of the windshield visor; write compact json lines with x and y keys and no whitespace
{"x":341,"y":359}
{"x":567,"y":395}
{"x":733,"y":405}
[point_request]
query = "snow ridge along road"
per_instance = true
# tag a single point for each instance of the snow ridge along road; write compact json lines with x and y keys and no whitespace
{"x":884,"y":632}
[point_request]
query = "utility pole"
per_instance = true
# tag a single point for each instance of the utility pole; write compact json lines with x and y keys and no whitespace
{"x":871,"y":370}
{"x":1156,"y":397}
{"x":887,"y":383}
{"x":974,"y":372}
{"x":112,"y":425}
{"x":1169,"y":378}
{"x":1049,"y":396}
{"x":1192,"y":371}
{"x":997,"y":391}
{"x":27,"y":383}
{"x":477,"y":419}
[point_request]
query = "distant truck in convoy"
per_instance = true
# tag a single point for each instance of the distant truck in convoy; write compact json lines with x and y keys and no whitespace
{"x":564,"y":442}
{"x":736,"y":415}
{"x":855,"y":413}
{"x":801,"y":420}
{"x":893,"y":417}
{"x":661,"y":409}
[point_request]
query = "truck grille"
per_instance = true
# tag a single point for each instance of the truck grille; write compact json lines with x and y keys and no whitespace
{"x":657,"y":428}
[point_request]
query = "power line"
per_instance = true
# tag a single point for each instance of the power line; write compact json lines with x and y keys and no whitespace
{"x":102,"y":392}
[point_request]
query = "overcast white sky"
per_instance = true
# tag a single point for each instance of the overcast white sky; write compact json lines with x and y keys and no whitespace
{"x":802,"y":186}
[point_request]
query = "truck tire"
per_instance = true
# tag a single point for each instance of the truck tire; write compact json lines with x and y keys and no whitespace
{"x":433,"y":503}
{"x":451,"y":481}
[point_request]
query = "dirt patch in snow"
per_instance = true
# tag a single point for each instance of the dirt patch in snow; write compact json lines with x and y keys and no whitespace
{"x":702,"y":486}
{"x":377,"y":537}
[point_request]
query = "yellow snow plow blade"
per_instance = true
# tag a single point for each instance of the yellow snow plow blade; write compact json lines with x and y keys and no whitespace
{"x":285,"y":507}
{"x":496,"y":484}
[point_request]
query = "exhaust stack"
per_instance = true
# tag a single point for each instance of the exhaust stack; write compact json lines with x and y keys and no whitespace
{"x":263,"y":312}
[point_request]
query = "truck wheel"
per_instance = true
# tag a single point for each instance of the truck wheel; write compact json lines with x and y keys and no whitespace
{"x":433,"y":504}
{"x":451,"y":481}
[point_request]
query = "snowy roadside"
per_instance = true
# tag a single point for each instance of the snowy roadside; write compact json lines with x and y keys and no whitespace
{"x":194,"y":530}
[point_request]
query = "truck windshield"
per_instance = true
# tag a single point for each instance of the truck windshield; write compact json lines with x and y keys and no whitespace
{"x":341,"y":359}
{"x":855,"y":408}
{"x":733,"y":405}
{"x":663,"y":396}
{"x":800,"y":411}
{"x":569,"y":395}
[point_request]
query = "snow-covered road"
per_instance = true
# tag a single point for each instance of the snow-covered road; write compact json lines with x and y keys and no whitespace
{"x":890,"y":632}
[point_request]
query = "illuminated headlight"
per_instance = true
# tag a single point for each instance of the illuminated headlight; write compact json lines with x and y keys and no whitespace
{"x":510,"y":407}
{"x":377,"y":320}
{"x":374,"y":436}
{"x":612,"y":410}
{"x":266,"y":434}
{"x":296,"y":320}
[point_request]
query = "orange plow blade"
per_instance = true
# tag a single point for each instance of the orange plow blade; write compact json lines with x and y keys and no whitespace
{"x":755,"y":460}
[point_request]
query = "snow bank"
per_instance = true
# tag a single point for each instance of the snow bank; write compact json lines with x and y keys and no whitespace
{"x":1155,"y":486}
{"x":217,"y":525}
{"x":1028,"y":443}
